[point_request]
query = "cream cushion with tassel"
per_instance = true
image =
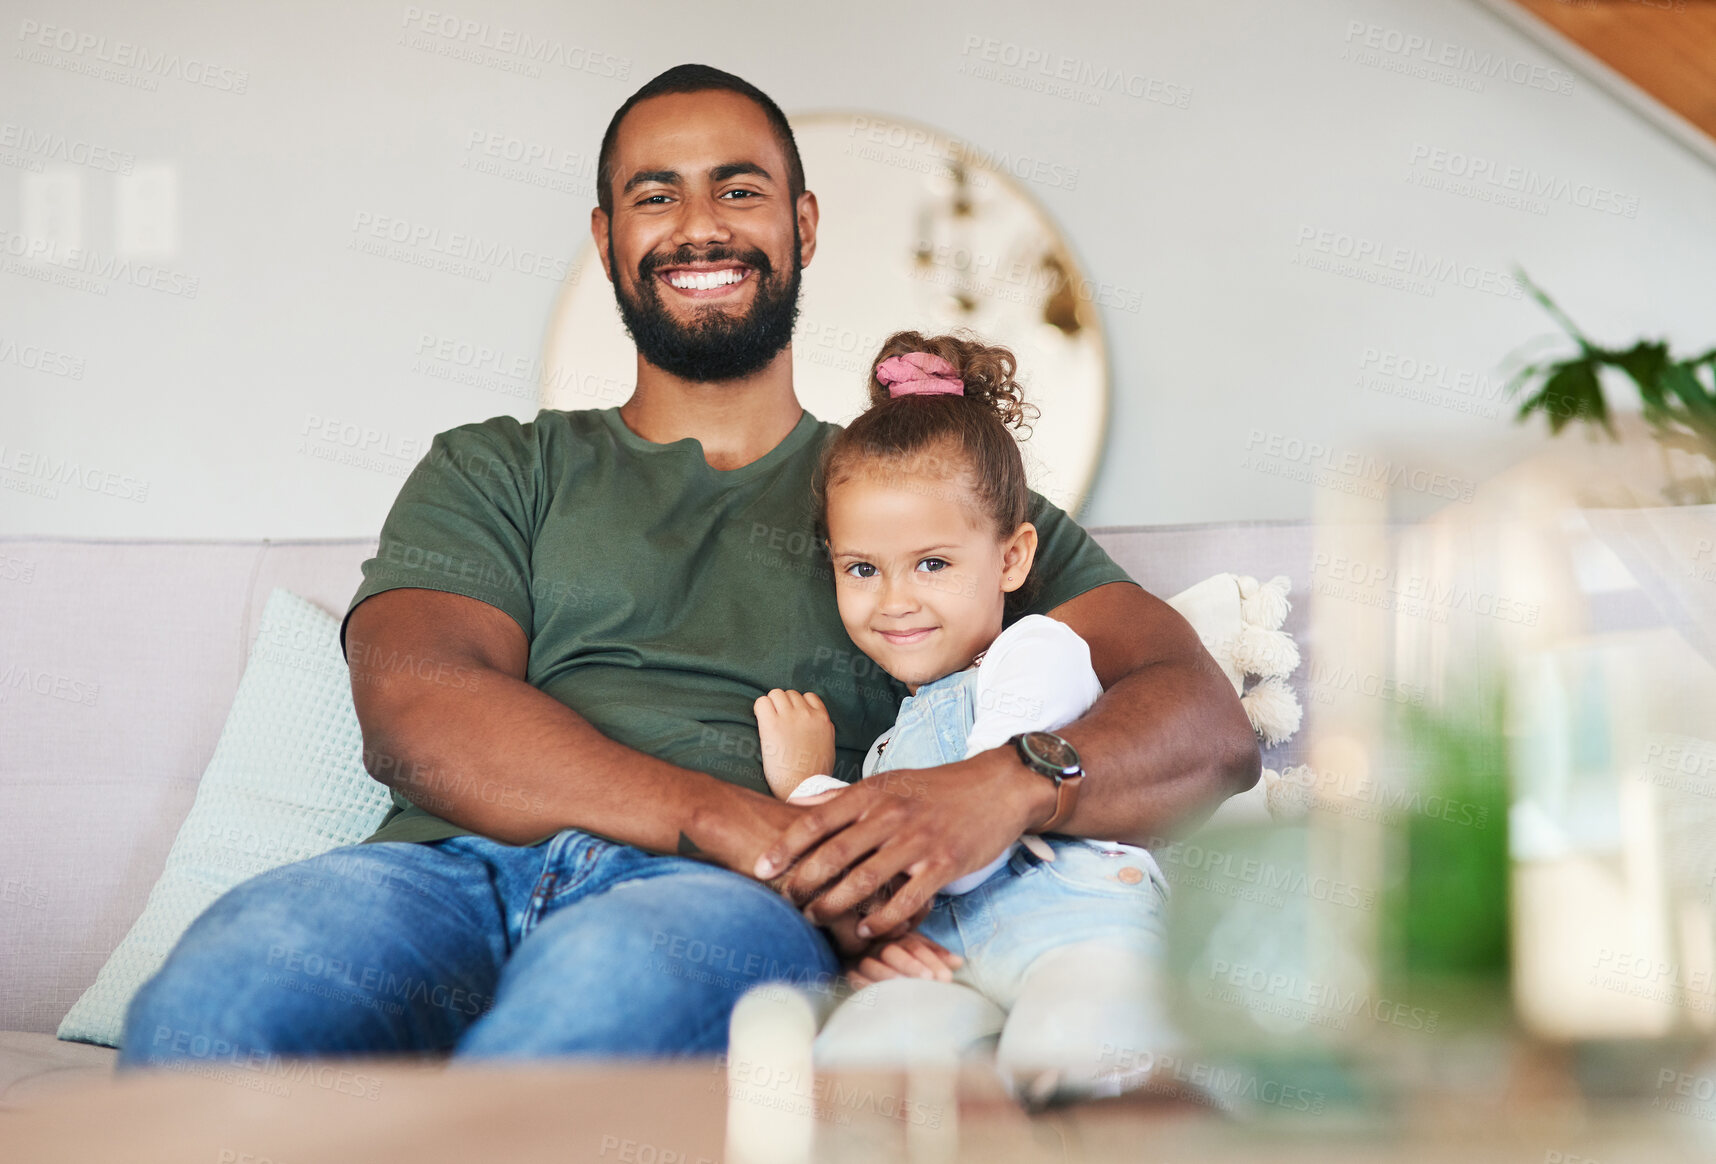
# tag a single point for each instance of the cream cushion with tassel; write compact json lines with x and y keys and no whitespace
{"x":1239,"y":621}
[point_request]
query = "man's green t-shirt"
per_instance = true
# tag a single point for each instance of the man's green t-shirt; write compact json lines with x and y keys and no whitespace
{"x":660,"y":596}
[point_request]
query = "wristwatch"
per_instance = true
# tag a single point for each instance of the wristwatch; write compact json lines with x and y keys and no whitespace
{"x":1050,"y":755}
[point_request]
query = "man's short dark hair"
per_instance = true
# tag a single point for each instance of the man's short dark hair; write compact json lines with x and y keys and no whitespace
{"x":697,"y":79}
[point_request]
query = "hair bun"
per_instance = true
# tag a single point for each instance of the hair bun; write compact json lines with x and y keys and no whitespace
{"x":919,"y":374}
{"x":986,"y":370}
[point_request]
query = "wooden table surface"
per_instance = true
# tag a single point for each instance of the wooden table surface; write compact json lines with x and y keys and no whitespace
{"x":379,"y":1112}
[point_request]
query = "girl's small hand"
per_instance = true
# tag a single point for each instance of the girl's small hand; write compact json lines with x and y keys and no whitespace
{"x":797,"y":738}
{"x":913,"y":956}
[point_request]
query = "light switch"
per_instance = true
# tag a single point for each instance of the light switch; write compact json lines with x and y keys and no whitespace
{"x":148,"y":212}
{"x":51,"y":214}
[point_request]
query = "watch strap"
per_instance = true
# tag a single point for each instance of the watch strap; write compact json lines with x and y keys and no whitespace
{"x":1066,"y":799}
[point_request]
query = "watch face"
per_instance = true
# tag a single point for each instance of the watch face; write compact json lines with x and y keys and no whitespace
{"x":1052,"y":751}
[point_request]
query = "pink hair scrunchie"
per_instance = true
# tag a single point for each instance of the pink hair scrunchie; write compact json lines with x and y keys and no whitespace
{"x":919,"y":374}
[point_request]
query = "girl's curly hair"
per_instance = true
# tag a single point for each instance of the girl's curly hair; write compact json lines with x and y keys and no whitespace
{"x":955,"y":436}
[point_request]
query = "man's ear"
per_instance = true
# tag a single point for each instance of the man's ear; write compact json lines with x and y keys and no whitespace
{"x":808,"y":216}
{"x":1017,"y":555}
{"x":599,"y":225}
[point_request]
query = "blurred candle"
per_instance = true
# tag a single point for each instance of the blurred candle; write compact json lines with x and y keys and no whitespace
{"x":771,"y":1117}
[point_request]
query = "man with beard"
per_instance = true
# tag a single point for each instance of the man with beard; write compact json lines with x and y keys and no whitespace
{"x":577,"y":857}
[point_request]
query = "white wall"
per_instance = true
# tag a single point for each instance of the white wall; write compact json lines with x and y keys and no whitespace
{"x":1203,"y":210}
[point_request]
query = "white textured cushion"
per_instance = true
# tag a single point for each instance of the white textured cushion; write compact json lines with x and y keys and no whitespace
{"x":1245,"y":639}
{"x":1212,"y":607}
{"x":286,"y":782}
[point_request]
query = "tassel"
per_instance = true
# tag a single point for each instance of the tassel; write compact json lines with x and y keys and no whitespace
{"x":1258,"y":651}
{"x":1273,"y":710}
{"x":1265,"y":605}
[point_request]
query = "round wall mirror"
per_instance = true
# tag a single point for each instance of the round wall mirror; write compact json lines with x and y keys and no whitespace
{"x":920,"y":231}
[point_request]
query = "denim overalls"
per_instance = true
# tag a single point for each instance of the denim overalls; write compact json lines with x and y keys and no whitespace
{"x":1092,"y":891}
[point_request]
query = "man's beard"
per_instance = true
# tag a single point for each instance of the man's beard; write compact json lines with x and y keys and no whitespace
{"x":715,"y":345}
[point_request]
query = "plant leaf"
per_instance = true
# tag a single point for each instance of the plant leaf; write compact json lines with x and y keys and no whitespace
{"x":1570,"y":392}
{"x":1677,"y":401}
{"x":1645,"y":362}
{"x":1678,"y":380}
{"x":1699,"y":411}
{"x":1555,"y":312}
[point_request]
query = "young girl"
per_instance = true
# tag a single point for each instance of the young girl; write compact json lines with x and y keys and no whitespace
{"x":1054,"y":946}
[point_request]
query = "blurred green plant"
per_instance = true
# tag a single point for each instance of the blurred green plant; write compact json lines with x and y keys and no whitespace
{"x":1677,"y":397}
{"x":1448,"y":909}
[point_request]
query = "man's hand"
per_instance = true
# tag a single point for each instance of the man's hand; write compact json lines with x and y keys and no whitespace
{"x":797,"y":738}
{"x":738,"y":830}
{"x":932,"y":825}
{"x":734,"y":837}
{"x":843,"y":930}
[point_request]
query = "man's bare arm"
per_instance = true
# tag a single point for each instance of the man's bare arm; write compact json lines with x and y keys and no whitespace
{"x":449,"y":721}
{"x":1166,"y":743}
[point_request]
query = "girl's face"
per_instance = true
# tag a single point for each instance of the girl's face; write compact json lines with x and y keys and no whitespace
{"x":919,"y":573}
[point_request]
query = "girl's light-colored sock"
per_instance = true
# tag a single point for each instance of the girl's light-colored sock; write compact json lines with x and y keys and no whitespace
{"x":1091,"y":1021}
{"x":908,"y":1022}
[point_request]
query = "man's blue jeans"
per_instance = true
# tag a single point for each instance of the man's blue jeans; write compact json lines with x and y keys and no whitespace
{"x":576,"y":947}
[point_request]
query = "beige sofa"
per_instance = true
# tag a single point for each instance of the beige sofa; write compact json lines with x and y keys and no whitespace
{"x":118,"y":662}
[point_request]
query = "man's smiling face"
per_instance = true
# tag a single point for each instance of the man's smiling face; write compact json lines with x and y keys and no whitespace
{"x":705,"y":243}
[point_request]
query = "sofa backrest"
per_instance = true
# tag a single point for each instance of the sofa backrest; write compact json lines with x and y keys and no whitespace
{"x":118,"y":664}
